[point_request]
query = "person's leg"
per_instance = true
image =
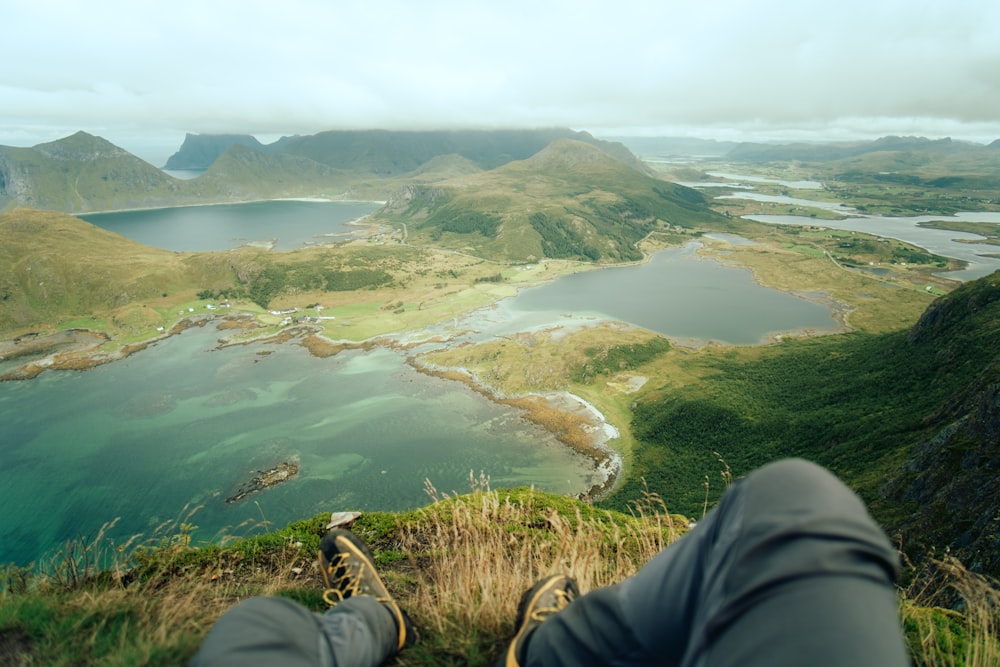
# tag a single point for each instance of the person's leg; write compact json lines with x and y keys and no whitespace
{"x":358,"y":632}
{"x":363,"y":627}
{"x":788,"y":550}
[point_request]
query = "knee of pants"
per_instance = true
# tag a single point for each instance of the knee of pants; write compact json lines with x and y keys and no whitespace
{"x":263,"y":630}
{"x":800,"y":519}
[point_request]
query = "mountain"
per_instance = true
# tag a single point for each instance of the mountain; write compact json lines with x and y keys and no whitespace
{"x":244,"y":173}
{"x":81,"y":173}
{"x":199,"y":151}
{"x":649,"y":147}
{"x":570,"y":200}
{"x":947,"y":487}
{"x":385,"y":154}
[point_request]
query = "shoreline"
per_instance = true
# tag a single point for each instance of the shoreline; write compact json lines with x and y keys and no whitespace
{"x":238,"y":202}
{"x":572,"y":420}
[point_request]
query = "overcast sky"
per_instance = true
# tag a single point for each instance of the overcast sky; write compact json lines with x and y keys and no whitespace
{"x":143,"y":73}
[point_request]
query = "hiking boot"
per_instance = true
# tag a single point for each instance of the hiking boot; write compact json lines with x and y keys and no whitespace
{"x":548,"y":596}
{"x":348,"y":569}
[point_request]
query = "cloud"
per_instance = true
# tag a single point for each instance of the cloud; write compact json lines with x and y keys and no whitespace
{"x":302,"y":66}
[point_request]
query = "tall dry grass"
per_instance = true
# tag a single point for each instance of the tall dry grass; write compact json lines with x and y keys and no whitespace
{"x":473,"y":556}
{"x":952,"y":616}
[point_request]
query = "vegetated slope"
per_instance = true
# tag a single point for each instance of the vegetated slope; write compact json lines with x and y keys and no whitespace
{"x":947,"y":490}
{"x":907,"y":418}
{"x":80,"y":173}
{"x":55,"y":267}
{"x":243,"y":173}
{"x":570,"y":200}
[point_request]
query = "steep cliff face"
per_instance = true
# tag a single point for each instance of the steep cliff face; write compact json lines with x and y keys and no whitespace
{"x":950,"y":481}
{"x":199,"y":151}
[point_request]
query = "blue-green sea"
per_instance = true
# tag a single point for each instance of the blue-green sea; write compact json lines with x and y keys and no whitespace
{"x":184,"y":423}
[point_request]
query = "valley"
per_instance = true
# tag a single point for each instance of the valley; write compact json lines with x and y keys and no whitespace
{"x":438,"y":266}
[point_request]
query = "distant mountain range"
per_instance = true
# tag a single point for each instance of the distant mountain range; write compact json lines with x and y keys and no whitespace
{"x":387,"y":153}
{"x":677,"y":147}
{"x":85,"y":173}
{"x":755,"y":152}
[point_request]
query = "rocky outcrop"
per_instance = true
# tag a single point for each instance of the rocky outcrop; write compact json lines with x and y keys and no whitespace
{"x":950,"y":480}
{"x":948,"y":485}
{"x":265,"y":479}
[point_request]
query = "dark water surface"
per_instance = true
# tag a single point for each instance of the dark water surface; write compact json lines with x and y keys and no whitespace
{"x":676,"y":293}
{"x":289,"y":224}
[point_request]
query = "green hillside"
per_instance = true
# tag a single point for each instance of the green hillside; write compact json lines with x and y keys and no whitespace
{"x":81,"y":173}
{"x":244,"y":173}
{"x":57,"y":271}
{"x":568,"y":201}
{"x":83,"y":270}
{"x":908,"y":418}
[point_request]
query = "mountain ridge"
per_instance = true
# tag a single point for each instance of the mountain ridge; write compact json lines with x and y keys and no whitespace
{"x":84,"y":173}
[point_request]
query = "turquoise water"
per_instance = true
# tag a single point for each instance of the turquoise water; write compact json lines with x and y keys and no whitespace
{"x":183,"y":422}
{"x":289,"y":224}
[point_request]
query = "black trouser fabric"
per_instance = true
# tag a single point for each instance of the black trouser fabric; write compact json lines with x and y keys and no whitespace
{"x":789,"y":569}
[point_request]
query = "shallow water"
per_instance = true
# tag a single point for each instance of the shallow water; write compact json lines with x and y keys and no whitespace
{"x":184,"y":423}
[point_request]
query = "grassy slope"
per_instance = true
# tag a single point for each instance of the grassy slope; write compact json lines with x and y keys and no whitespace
{"x":83,"y":271}
{"x":85,"y":173}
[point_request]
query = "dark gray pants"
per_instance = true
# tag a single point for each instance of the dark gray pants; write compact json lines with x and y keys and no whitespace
{"x":358,"y":632}
{"x":789,"y":569}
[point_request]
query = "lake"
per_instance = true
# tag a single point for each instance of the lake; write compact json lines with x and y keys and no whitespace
{"x":982,"y":258}
{"x":283,"y":225}
{"x":944,"y":242}
{"x":676,"y":293}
